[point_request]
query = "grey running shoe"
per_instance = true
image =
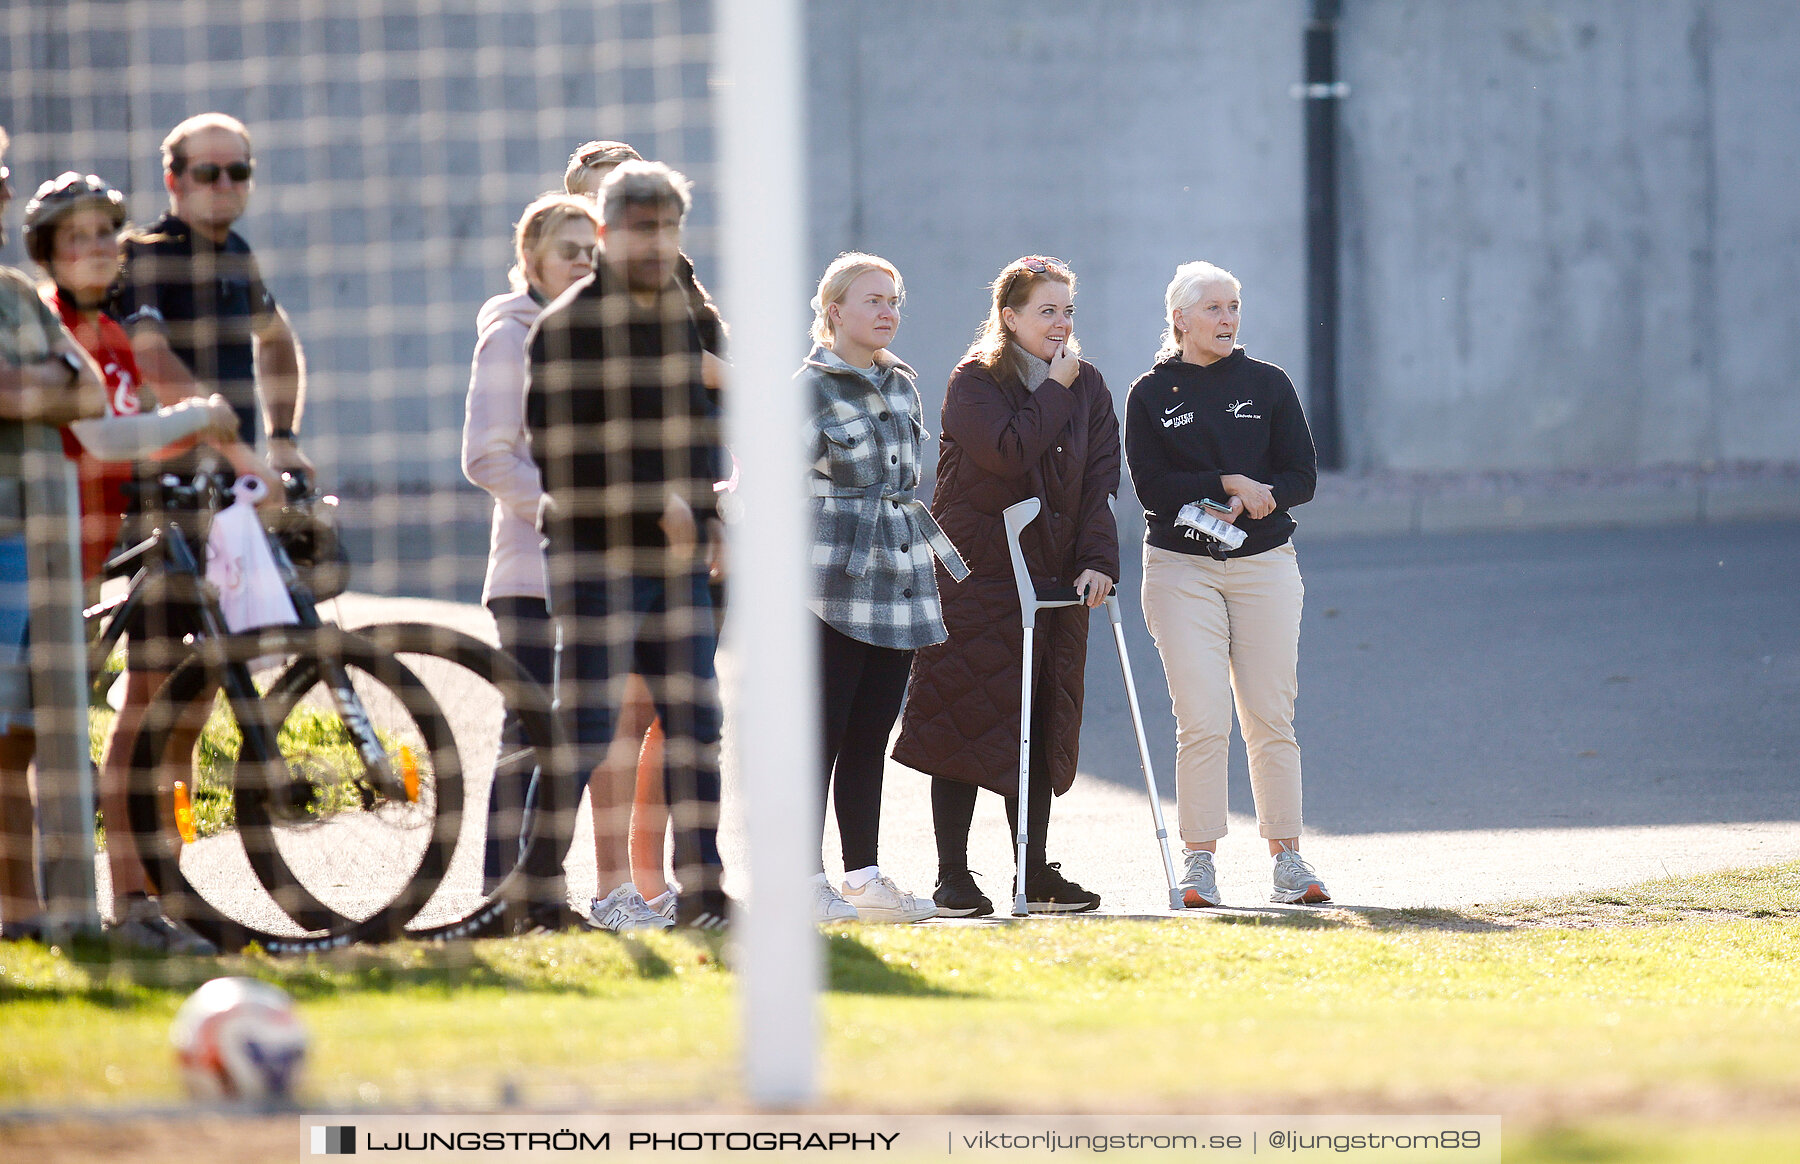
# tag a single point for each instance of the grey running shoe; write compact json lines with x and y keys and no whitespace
{"x":625,"y":910}
{"x":146,"y":927}
{"x":1199,"y":884}
{"x":1295,"y":881}
{"x":882,"y":901}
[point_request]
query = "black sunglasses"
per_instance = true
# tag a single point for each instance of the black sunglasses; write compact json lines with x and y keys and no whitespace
{"x":206,"y":173}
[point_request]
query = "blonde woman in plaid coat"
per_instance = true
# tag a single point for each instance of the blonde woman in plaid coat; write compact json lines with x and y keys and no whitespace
{"x":874,"y":588}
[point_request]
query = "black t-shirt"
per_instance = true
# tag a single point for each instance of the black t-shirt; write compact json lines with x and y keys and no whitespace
{"x":208,"y":300}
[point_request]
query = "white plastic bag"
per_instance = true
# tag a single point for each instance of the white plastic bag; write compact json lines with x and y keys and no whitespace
{"x":238,"y":562}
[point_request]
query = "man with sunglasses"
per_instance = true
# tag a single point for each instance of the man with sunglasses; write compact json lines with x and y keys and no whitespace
{"x":192,"y":297}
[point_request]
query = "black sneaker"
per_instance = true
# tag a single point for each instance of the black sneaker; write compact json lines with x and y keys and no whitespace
{"x":706,"y":909}
{"x":1048,"y":891}
{"x":30,"y":929}
{"x":957,"y":895}
{"x":553,"y":917}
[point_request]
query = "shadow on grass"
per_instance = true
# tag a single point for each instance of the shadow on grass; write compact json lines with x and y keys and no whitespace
{"x":92,"y":970}
{"x":1361,"y":917}
{"x":853,"y":967}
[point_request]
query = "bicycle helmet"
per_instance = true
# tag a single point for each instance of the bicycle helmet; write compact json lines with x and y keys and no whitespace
{"x":62,"y":195}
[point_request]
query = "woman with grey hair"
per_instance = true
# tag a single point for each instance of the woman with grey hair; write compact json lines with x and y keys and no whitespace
{"x":1216,"y":440}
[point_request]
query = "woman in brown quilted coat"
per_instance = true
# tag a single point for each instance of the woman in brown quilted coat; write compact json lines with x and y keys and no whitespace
{"x":1023,"y":417}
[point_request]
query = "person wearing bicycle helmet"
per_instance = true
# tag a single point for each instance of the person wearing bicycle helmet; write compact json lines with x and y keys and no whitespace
{"x":45,"y":379}
{"x":72,"y":229}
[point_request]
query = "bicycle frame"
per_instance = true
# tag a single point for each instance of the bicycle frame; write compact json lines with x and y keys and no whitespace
{"x":171,"y":554}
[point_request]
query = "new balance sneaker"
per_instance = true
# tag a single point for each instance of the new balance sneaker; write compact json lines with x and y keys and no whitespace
{"x":957,"y":895}
{"x":1295,"y":881}
{"x":1199,"y":884}
{"x":144,"y":926}
{"x":707,"y":909}
{"x":663,"y":903}
{"x":1048,"y":891}
{"x":828,"y":904}
{"x":625,"y":910}
{"x":882,"y":901}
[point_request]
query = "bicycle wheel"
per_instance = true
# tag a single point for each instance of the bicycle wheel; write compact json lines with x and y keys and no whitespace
{"x":481,"y":684}
{"x":297,"y":837}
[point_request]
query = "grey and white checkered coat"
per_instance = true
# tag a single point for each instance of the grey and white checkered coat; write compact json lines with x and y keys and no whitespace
{"x":873,"y":541}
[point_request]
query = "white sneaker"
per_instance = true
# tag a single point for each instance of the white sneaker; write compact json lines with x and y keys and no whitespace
{"x":624,"y":910}
{"x":828,"y":904}
{"x":883,"y":901}
{"x":663,"y":903}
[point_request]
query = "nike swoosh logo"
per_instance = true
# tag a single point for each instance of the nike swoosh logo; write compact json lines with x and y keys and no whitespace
{"x":1167,"y":411}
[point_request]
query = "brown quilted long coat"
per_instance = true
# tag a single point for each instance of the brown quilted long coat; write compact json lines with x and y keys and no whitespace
{"x":1002,"y":444}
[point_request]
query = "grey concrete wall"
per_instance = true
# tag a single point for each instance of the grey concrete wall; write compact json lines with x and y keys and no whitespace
{"x":1123,"y":138}
{"x":1572,"y":236}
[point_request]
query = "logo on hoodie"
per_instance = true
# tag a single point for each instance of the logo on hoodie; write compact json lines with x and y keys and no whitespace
{"x":1236,"y":408}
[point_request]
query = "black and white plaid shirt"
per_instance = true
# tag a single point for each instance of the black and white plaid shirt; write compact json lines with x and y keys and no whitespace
{"x":873,"y":541}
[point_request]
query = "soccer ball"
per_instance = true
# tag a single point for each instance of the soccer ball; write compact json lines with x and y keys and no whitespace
{"x":238,"y":1039}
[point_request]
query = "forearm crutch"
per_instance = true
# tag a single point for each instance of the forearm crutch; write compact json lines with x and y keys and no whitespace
{"x":1032,"y":600}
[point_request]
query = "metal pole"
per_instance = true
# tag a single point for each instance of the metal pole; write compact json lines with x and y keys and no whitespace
{"x":1321,"y":93}
{"x":65,"y":776}
{"x":761,"y":70}
{"x":1022,"y":839}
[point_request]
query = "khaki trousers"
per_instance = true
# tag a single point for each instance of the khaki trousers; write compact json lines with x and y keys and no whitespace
{"x":1230,"y":631}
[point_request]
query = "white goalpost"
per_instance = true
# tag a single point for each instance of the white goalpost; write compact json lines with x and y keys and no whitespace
{"x":762,"y":250}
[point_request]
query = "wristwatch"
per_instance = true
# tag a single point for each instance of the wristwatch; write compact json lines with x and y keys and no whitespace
{"x":282,"y":434}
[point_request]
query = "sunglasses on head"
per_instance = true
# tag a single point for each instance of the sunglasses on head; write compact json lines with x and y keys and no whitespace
{"x":206,"y":173}
{"x":1042,"y":266}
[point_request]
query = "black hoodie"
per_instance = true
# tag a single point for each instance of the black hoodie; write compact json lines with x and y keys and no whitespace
{"x":1187,"y":425}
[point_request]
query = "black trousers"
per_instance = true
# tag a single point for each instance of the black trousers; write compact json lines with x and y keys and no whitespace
{"x":953,"y":802}
{"x":864,"y":686}
{"x":528,"y":635}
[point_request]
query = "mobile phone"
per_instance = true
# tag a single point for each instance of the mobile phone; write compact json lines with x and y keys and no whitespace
{"x":1214,"y":505}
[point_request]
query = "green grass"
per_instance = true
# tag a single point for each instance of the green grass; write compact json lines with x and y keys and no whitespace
{"x":315,"y":742}
{"x":1616,"y":1026}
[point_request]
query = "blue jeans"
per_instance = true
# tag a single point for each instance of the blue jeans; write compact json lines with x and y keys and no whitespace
{"x":661,"y":627}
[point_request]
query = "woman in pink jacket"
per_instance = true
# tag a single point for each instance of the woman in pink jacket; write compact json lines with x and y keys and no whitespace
{"x":553,"y":248}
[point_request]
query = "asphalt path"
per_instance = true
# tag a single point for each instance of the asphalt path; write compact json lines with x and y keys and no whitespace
{"x":1482,"y":717}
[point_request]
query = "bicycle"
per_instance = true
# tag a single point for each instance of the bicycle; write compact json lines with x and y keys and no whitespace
{"x":292,"y":779}
{"x":278,"y":808}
